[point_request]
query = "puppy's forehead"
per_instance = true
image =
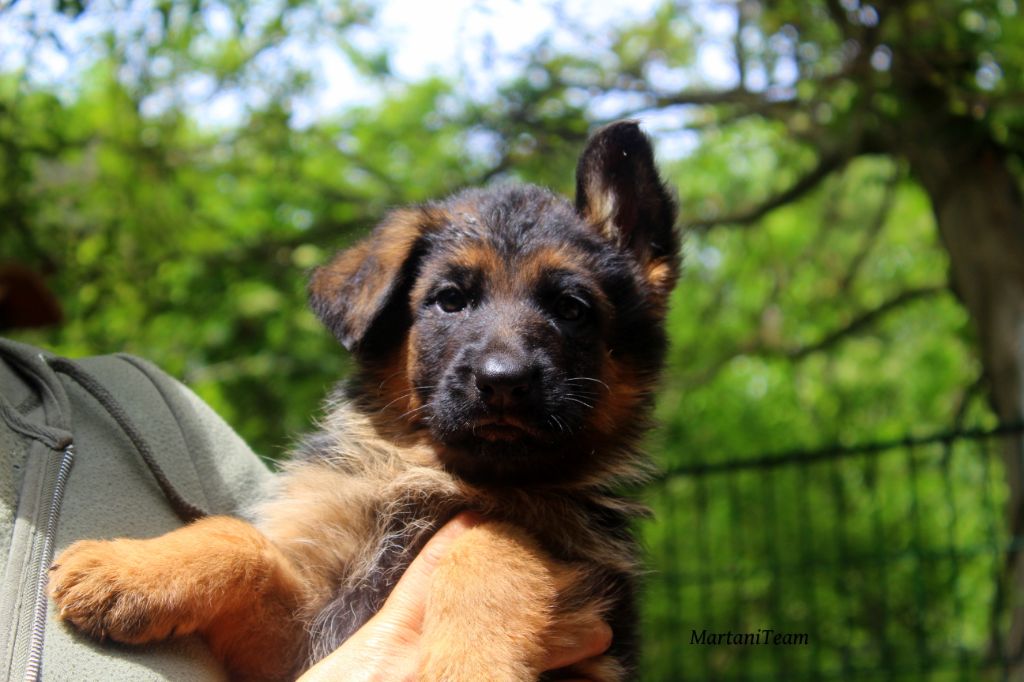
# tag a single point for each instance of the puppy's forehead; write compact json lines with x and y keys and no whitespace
{"x":527,"y":229}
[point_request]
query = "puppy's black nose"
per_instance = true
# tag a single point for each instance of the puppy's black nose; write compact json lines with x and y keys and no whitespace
{"x":504,"y":380}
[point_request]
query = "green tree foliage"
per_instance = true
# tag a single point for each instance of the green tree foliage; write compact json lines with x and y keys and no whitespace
{"x":188,"y":245}
{"x":815,"y":308}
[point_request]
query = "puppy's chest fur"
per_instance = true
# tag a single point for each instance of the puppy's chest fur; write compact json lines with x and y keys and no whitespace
{"x":354,"y":510}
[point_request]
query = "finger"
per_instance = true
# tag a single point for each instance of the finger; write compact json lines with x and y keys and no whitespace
{"x":407,"y":602}
{"x":585,"y":641}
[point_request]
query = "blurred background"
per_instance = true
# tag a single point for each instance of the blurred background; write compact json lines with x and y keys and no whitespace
{"x":840,"y":424}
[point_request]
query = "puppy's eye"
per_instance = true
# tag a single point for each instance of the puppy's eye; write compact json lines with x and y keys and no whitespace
{"x":569,"y":308}
{"x":451,"y":300}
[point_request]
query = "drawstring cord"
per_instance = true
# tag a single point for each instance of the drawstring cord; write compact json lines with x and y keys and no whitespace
{"x":186,"y":511}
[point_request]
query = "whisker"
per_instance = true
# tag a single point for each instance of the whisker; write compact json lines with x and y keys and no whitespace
{"x":402,"y":396}
{"x":406,"y":393}
{"x":596,"y":381}
{"x":389,"y":378}
{"x":409,"y":413}
{"x":553,"y":419}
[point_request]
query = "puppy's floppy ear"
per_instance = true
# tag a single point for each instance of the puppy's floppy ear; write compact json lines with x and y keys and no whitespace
{"x":359,"y":294}
{"x":619,"y":193}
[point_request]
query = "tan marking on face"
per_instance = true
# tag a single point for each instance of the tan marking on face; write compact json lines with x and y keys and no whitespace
{"x":623,"y":399}
{"x":479,"y":256}
{"x":412,"y":401}
{"x":475,"y":256}
{"x":549,"y":259}
{"x":565,"y":259}
{"x":392,"y":381}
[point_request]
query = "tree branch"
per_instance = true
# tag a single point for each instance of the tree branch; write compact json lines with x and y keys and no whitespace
{"x":706,"y":97}
{"x":838,"y":16}
{"x":827,"y":164}
{"x":739,"y":53}
{"x":757,"y":347}
{"x":881,"y":215}
{"x":864,"y":320}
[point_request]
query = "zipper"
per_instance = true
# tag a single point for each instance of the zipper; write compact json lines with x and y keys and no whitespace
{"x":34,"y":666}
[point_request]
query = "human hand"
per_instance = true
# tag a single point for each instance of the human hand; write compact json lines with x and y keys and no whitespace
{"x":387,"y":646}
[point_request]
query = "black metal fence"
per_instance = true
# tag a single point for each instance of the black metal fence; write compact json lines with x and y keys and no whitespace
{"x":875,"y":562}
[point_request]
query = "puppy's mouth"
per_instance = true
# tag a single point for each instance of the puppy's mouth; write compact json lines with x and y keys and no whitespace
{"x":505,"y":428}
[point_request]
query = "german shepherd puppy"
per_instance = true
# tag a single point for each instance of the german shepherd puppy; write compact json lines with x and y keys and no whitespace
{"x":508,"y":344}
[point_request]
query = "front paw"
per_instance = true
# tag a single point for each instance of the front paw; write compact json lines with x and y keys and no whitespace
{"x":117,"y":589}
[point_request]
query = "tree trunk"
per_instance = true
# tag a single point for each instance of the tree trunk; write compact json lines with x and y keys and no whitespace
{"x":980,"y":216}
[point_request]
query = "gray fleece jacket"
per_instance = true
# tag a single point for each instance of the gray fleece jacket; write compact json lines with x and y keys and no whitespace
{"x":102,"y":447}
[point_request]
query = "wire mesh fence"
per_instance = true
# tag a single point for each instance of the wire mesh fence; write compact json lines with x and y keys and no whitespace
{"x":875,"y":562}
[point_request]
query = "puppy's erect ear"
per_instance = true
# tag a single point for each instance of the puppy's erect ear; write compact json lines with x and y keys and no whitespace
{"x":360,"y":292}
{"x":619,"y":192}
